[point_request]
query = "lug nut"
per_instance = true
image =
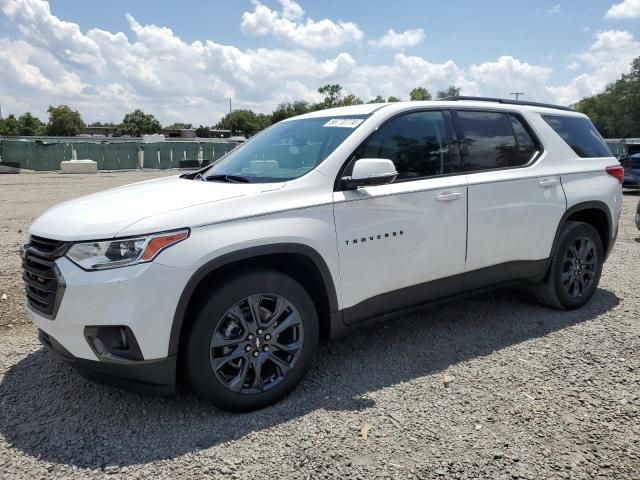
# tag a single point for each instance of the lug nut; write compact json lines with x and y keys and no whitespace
{"x":256,"y":353}
{"x":247,"y":348}
{"x":259,"y":331}
{"x":250,"y":337}
{"x":265,"y":348}
{"x":267,"y":337}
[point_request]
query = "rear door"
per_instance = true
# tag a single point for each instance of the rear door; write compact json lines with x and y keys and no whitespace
{"x":403,"y":244}
{"x":515,"y":197}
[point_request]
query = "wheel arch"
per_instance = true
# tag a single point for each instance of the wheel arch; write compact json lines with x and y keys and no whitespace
{"x":596,"y":214}
{"x":300,"y":261}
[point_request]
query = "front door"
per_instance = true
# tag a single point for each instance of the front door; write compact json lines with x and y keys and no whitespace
{"x":404,"y":243}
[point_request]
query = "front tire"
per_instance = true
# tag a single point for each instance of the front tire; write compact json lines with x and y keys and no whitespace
{"x":576,"y":266}
{"x":252,"y":340}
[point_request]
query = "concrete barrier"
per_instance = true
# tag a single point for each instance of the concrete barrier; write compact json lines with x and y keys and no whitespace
{"x":79,"y":166}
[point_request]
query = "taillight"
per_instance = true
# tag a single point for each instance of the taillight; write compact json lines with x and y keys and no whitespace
{"x":616,"y":171}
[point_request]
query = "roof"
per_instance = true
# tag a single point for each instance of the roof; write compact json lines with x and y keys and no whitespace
{"x":452,"y":102}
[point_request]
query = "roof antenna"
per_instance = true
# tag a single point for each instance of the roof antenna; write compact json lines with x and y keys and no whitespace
{"x":517,"y":94}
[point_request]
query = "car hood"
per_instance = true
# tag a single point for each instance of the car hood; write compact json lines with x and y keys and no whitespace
{"x":104,"y":214}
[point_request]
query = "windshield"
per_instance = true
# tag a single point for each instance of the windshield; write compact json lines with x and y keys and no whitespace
{"x":285,"y":151}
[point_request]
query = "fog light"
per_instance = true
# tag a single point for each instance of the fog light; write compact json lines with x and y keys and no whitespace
{"x":113,"y":343}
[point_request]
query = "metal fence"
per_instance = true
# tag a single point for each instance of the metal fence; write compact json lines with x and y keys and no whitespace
{"x":45,"y":156}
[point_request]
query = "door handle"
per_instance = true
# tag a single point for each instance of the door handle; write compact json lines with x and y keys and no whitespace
{"x":447,"y":197}
{"x":548,"y":182}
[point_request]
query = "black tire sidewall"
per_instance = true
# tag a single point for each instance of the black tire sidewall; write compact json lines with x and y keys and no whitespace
{"x":202,"y":378}
{"x":572,"y":233}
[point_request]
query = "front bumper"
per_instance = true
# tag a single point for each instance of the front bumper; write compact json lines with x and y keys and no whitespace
{"x":146,"y":376}
{"x":141,"y":297}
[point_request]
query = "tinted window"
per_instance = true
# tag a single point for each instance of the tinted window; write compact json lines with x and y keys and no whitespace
{"x":489,"y":139}
{"x":416,"y":143}
{"x":580,"y":135}
{"x":526,"y":146}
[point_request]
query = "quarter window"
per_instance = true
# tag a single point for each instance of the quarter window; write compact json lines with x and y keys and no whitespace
{"x":416,"y":142}
{"x":580,"y":135}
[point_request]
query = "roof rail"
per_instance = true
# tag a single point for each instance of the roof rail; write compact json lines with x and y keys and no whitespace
{"x":508,"y":102}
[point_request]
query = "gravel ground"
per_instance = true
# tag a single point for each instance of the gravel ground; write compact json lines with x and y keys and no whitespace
{"x":489,"y":387}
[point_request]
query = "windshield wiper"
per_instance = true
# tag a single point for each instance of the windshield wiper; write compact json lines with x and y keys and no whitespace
{"x":226,"y":178}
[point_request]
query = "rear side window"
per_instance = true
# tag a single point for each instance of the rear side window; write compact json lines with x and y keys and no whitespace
{"x":417,"y":143}
{"x":490,"y":141}
{"x":580,"y":135}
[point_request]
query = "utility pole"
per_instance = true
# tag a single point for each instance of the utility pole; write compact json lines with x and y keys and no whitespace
{"x":517,"y":94}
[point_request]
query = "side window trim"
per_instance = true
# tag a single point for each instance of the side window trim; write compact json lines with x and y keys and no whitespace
{"x":464,"y":150}
{"x":536,"y":141}
{"x":450,"y":132}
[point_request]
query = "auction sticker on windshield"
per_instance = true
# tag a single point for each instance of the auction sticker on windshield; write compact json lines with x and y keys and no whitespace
{"x":344,"y":122}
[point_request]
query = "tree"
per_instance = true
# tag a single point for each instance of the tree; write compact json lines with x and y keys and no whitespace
{"x":393,"y":99}
{"x":290,"y":109}
{"x":332,"y":95}
{"x":64,"y":122}
{"x":419,"y":93}
{"x":203,"y":132}
{"x":138,"y":123}
{"x":378,"y":99}
{"x":101,"y":124}
{"x":350,"y":99}
{"x":245,"y":121}
{"x":180,"y":126}
{"x":452,"y":91}
{"x":615,"y":110}
{"x":10,"y":126}
{"x":30,"y":125}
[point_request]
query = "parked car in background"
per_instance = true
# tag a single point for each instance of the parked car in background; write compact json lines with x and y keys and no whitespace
{"x":631,"y":166}
{"x":230,"y":276}
{"x":638,"y":215}
{"x":623,"y":147}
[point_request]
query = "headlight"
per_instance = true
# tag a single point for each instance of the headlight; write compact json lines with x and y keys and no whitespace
{"x":106,"y":254}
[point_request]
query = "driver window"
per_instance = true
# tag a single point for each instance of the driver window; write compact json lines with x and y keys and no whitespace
{"x":417,"y":143}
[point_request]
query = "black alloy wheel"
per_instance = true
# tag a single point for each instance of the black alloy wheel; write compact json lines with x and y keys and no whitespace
{"x":575,"y":267}
{"x":251,"y":340}
{"x":257,"y":342}
{"x":579,"y":267}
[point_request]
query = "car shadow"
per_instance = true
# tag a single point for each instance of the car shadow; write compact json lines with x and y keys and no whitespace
{"x":49,"y":412}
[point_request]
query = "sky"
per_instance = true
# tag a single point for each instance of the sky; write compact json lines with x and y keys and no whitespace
{"x":183,"y":61}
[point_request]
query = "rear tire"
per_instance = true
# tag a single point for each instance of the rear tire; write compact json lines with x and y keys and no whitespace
{"x":576,"y":266}
{"x":241,"y":364}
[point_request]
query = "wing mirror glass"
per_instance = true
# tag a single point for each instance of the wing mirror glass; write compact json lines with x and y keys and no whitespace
{"x":368,"y":172}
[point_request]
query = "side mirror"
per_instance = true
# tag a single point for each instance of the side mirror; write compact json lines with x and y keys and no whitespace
{"x":368,"y":172}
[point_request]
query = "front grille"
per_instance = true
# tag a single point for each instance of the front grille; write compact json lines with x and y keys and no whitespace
{"x":42,"y":280}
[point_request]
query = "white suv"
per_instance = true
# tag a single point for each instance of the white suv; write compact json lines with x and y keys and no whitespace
{"x":230,"y":276}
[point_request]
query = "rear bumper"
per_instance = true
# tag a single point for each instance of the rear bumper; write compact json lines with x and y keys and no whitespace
{"x":145,"y":376}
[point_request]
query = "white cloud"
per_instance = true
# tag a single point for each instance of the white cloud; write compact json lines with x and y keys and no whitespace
{"x":23,"y":65}
{"x":554,"y":10}
{"x":399,"y":40}
{"x":106,"y":74}
{"x":63,"y":39}
{"x":291,"y":24}
{"x":625,"y":9}
{"x":608,"y":57}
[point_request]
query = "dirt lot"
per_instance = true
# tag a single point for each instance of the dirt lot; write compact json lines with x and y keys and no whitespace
{"x":489,"y":387}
